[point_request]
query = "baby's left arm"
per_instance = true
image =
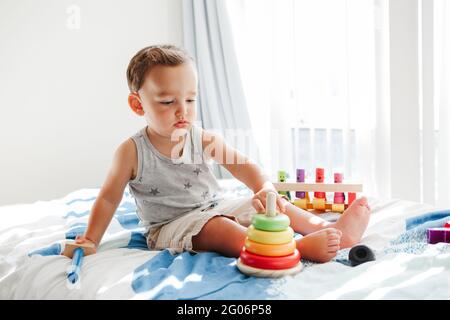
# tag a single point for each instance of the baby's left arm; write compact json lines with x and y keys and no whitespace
{"x":241,"y":167}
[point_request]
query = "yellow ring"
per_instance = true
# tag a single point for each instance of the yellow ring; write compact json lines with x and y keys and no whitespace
{"x":271,"y":250}
{"x":270,"y":237}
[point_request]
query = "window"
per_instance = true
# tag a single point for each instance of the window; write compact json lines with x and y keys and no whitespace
{"x":308,"y":69}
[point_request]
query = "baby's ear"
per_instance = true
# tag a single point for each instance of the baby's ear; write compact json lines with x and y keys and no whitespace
{"x":135,"y":104}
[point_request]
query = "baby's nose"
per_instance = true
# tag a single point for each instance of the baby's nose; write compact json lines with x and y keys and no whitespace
{"x":182,"y":110}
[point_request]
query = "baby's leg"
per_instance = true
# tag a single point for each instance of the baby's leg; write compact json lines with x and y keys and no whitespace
{"x":304,"y":222}
{"x":352,"y":223}
{"x":225,"y":236}
{"x":222,"y":235}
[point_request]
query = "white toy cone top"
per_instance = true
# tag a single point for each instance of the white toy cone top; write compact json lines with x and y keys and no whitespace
{"x":271,"y":200}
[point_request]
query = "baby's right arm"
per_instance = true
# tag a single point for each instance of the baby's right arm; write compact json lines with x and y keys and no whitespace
{"x":122,"y":170}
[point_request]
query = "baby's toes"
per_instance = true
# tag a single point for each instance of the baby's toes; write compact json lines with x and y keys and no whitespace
{"x":334,"y":242}
{"x":327,"y":257}
{"x":331,"y":254}
{"x":331,"y":231}
{"x":362,"y":201}
{"x":335,"y":236}
{"x":333,"y":245}
{"x":334,"y":233}
{"x":333,"y":250}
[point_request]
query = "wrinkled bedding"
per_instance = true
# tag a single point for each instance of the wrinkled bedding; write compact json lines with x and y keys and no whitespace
{"x":32,"y":238}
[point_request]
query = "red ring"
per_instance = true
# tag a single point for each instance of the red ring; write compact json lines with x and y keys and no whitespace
{"x":273,"y":263}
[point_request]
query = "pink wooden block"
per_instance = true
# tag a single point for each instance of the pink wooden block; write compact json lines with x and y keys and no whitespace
{"x":338,"y":177}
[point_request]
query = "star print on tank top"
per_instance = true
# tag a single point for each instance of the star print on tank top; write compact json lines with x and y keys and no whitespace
{"x":166,"y":189}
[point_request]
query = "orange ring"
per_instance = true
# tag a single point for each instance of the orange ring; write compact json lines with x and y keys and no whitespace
{"x":270,"y":250}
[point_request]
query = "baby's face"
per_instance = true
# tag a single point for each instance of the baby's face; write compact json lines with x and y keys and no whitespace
{"x":168,"y":98}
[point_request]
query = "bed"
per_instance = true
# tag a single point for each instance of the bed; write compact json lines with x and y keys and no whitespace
{"x":31,"y":267}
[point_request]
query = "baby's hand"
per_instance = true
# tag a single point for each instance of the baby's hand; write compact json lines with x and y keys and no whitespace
{"x":83,"y":239}
{"x":259,"y":200}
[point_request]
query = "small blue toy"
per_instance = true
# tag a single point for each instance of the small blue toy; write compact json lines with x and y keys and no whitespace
{"x":77,"y":251}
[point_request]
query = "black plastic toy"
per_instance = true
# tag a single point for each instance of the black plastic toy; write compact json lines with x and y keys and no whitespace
{"x":360,"y":254}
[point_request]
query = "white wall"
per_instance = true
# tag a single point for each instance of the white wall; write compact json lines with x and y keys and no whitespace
{"x":63,"y":91}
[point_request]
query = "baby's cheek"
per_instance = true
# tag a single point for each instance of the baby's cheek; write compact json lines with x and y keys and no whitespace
{"x":192,"y":111}
{"x":165,"y":116}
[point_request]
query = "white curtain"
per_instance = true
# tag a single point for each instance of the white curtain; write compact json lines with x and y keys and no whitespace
{"x":221,"y":102}
{"x":345,"y":85}
{"x":438,"y":112}
{"x":309,"y":74}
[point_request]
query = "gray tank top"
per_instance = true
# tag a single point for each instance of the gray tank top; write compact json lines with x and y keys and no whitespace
{"x":166,"y":189}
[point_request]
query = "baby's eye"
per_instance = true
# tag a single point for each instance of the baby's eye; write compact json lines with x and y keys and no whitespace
{"x":190,"y":100}
{"x":166,"y":102}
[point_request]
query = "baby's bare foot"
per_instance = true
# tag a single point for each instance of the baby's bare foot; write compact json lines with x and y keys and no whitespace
{"x":320,"y":246}
{"x":353,"y":222}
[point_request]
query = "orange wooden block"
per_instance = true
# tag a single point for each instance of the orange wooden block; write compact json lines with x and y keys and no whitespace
{"x":89,"y":248}
{"x":338,"y":207}
{"x":319,"y":204}
{"x":301,"y":203}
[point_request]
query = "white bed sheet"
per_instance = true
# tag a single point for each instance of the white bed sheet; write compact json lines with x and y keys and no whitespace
{"x":25,"y":228}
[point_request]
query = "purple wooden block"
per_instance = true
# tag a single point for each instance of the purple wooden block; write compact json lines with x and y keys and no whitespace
{"x":300,"y":178}
{"x":435,"y":235}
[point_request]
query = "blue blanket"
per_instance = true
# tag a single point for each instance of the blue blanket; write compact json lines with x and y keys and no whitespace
{"x":200,"y":276}
{"x":181,"y":276}
{"x":414,"y":239}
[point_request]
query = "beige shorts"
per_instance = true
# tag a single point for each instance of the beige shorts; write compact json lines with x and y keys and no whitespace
{"x":177,"y":235}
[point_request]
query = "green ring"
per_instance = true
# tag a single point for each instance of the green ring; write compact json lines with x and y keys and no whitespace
{"x":278,"y":223}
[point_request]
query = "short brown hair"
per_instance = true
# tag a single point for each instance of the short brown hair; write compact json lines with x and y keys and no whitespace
{"x":145,"y":59}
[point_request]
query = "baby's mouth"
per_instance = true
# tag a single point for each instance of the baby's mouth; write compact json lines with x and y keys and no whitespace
{"x":181,"y":124}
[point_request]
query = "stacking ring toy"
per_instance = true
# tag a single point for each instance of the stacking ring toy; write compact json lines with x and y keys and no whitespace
{"x":279,"y":222}
{"x":263,"y":273}
{"x":271,"y":250}
{"x":267,"y":237}
{"x":273,"y":263}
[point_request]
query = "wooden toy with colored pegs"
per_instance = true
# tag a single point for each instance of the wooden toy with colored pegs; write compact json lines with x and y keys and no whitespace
{"x":270,"y":249}
{"x":319,"y":202}
{"x":77,"y":251}
{"x":282,"y":177}
{"x":339,"y":197}
{"x":320,"y":198}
